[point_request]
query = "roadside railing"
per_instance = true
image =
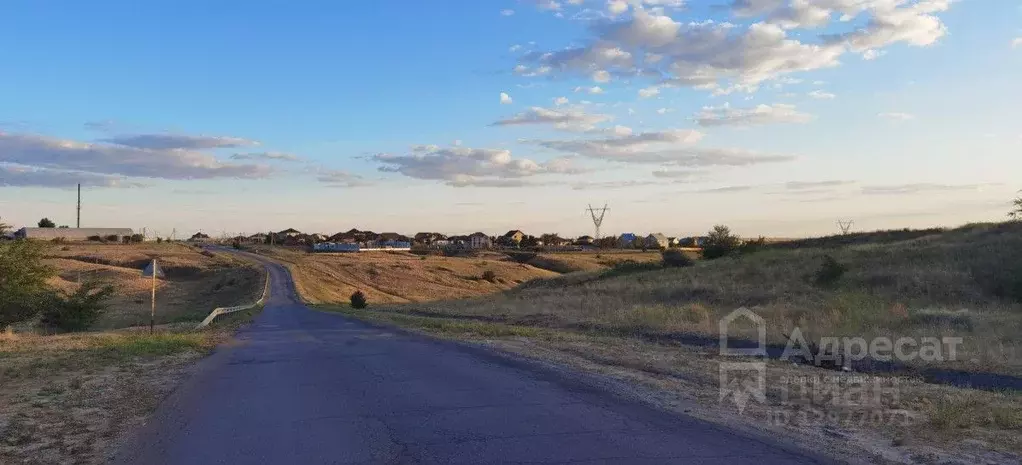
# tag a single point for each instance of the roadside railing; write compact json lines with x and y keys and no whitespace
{"x":219,"y":311}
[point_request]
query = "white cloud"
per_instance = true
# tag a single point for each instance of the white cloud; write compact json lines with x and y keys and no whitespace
{"x":590,"y":90}
{"x":178,"y":141}
{"x":514,"y":48}
{"x":616,"y":7}
{"x":896,"y":116}
{"x":904,"y":189}
{"x":25,"y":176}
{"x":173,"y":163}
{"x":678,"y":174}
{"x":548,"y":5}
{"x":664,"y":111}
{"x":277,"y":156}
{"x":873,"y":54}
{"x":540,"y":115}
{"x":464,"y":166}
{"x":604,"y":185}
{"x":894,"y":21}
{"x":340,"y":178}
{"x":725,"y":115}
{"x":507,"y":12}
{"x":670,"y":147}
{"x":650,"y":91}
{"x":561,"y":101}
{"x":822,"y":95}
{"x":505,"y":99}
{"x":723,"y":57}
{"x":1016,"y":43}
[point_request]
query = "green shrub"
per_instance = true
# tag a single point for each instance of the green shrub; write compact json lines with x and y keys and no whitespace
{"x":358,"y":300}
{"x":490,"y":276}
{"x":23,"y":276}
{"x":78,"y":310}
{"x":830,"y":271}
{"x":720,"y":243}
{"x":675,"y":258}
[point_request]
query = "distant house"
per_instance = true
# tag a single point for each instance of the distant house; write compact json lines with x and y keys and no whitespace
{"x":73,"y":234}
{"x":626,"y":240}
{"x":584,"y":240}
{"x":459,"y":241}
{"x":479,"y":240}
{"x":354,"y":236}
{"x":393,"y":237}
{"x":257,"y":238}
{"x":199,"y":237}
{"x":656,"y":241}
{"x":289,"y":232}
{"x":692,"y":241}
{"x":511,"y":238}
{"x":428,"y":238}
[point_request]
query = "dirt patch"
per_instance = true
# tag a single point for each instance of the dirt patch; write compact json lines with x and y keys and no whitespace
{"x":68,"y":399}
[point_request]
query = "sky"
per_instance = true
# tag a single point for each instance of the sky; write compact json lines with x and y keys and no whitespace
{"x":775,"y":117}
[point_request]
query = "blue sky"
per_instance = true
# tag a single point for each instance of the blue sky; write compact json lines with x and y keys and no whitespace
{"x":777,"y":117}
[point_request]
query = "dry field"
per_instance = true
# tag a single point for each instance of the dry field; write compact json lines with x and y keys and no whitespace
{"x":400,"y":277}
{"x":570,"y":262}
{"x":69,"y":399}
{"x":646,"y":327}
{"x":195,"y":283}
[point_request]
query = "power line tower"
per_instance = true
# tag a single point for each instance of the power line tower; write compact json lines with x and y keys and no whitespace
{"x":597,"y":214}
{"x":845,"y":225}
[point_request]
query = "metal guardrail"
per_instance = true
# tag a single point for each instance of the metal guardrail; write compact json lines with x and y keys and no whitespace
{"x":227,"y":310}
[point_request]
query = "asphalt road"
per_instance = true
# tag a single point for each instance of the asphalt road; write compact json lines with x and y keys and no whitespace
{"x":307,"y":387}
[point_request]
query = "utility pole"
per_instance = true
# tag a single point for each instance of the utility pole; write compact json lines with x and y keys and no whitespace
{"x":845,"y":226}
{"x":78,"y":220}
{"x":597,"y":219}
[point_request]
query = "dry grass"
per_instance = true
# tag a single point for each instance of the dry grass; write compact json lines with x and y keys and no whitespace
{"x":68,"y":398}
{"x":569,"y":262}
{"x":195,"y":283}
{"x":960,"y":283}
{"x":400,"y":277}
{"x":931,"y":286}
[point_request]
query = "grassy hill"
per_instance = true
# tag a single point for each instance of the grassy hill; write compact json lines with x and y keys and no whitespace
{"x":658,"y":327}
{"x":400,"y":277}
{"x":964,"y":282}
{"x":195,"y":283}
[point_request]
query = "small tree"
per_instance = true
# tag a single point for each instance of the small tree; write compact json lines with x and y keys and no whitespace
{"x":358,"y":300}
{"x":720,"y":243}
{"x":46,"y":223}
{"x":830,"y":271}
{"x":1016,"y":212}
{"x":78,"y":310}
{"x":23,"y":277}
{"x":4,"y":227}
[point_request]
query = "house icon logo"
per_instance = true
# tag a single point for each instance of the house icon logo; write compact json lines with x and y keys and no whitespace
{"x":724,"y":326}
{"x":742,"y":381}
